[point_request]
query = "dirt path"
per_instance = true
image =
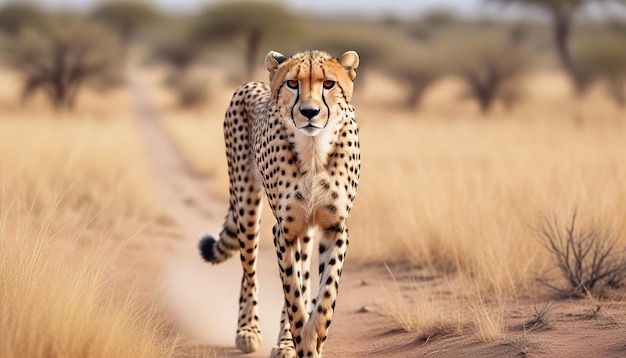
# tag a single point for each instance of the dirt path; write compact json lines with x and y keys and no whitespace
{"x":204,"y":297}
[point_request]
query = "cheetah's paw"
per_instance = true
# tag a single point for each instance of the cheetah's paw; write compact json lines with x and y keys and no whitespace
{"x":248,"y":340}
{"x":283,"y":350}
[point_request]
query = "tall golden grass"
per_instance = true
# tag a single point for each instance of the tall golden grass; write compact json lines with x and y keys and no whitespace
{"x":73,"y":191}
{"x":56,"y":302}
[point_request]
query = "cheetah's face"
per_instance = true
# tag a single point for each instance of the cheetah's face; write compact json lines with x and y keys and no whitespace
{"x":311,"y":89}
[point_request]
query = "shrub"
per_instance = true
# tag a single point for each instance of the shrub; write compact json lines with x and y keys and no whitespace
{"x":589,"y":259}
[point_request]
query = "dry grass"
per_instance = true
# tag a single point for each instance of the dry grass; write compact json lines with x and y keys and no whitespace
{"x":489,"y":322}
{"x":464,"y":195}
{"x":57,"y":302}
{"x":415,"y":309}
{"x":73,"y":191}
{"x":75,"y":171}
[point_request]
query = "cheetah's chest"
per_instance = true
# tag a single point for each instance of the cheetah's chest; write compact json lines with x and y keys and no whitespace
{"x":308,"y":180}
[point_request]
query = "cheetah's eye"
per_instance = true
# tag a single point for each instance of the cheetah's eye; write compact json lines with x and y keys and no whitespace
{"x":328,"y":84}
{"x":292,"y":84}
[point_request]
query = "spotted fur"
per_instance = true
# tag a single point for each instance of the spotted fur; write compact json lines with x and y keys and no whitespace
{"x":296,"y":139}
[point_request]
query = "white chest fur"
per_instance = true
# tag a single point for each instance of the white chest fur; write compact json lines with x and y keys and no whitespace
{"x":313,"y":151}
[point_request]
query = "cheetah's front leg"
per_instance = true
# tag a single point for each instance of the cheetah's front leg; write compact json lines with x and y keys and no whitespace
{"x":285,"y":346}
{"x":332,"y":249}
{"x":289,"y":262}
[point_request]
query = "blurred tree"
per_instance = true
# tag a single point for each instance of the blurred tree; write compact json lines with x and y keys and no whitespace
{"x":62,"y":59}
{"x":617,"y":25}
{"x":126,"y":17}
{"x":191,"y":92}
{"x":440,"y":16}
{"x":17,"y":15}
{"x":490,"y":69}
{"x":604,"y":57}
{"x":252,"y":20}
{"x":175,"y":49}
{"x":416,"y":69}
{"x":562,"y":13}
{"x":417,"y":80}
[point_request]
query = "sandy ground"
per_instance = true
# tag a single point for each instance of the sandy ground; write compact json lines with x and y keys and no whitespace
{"x":203,"y":298}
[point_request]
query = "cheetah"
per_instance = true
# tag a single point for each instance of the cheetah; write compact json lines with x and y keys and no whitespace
{"x":296,"y":139}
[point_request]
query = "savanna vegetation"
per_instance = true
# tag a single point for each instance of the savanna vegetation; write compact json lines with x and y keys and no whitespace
{"x":474,"y":131}
{"x":65,"y":220}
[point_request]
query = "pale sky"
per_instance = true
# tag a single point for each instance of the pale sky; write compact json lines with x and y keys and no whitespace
{"x":400,"y":8}
{"x":407,"y":8}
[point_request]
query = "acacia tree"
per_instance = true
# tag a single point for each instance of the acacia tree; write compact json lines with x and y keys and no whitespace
{"x":17,"y":15}
{"x":604,"y":57}
{"x":417,"y":69}
{"x":63,"y":59}
{"x":126,"y":17}
{"x":562,"y":13}
{"x":178,"y":52}
{"x":490,"y":70}
{"x":252,"y":21}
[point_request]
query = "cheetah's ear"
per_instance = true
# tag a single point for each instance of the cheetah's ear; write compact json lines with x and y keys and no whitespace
{"x":350,"y":61}
{"x":273,"y":59}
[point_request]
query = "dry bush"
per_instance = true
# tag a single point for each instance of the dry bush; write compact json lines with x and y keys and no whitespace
{"x":589,"y":259}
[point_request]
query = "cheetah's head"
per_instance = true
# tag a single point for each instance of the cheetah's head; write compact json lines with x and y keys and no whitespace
{"x":311,"y":89}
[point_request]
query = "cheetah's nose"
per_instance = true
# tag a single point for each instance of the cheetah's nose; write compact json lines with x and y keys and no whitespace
{"x":309,"y":112}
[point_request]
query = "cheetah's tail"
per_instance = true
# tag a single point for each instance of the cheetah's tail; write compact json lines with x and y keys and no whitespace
{"x":217,"y":251}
